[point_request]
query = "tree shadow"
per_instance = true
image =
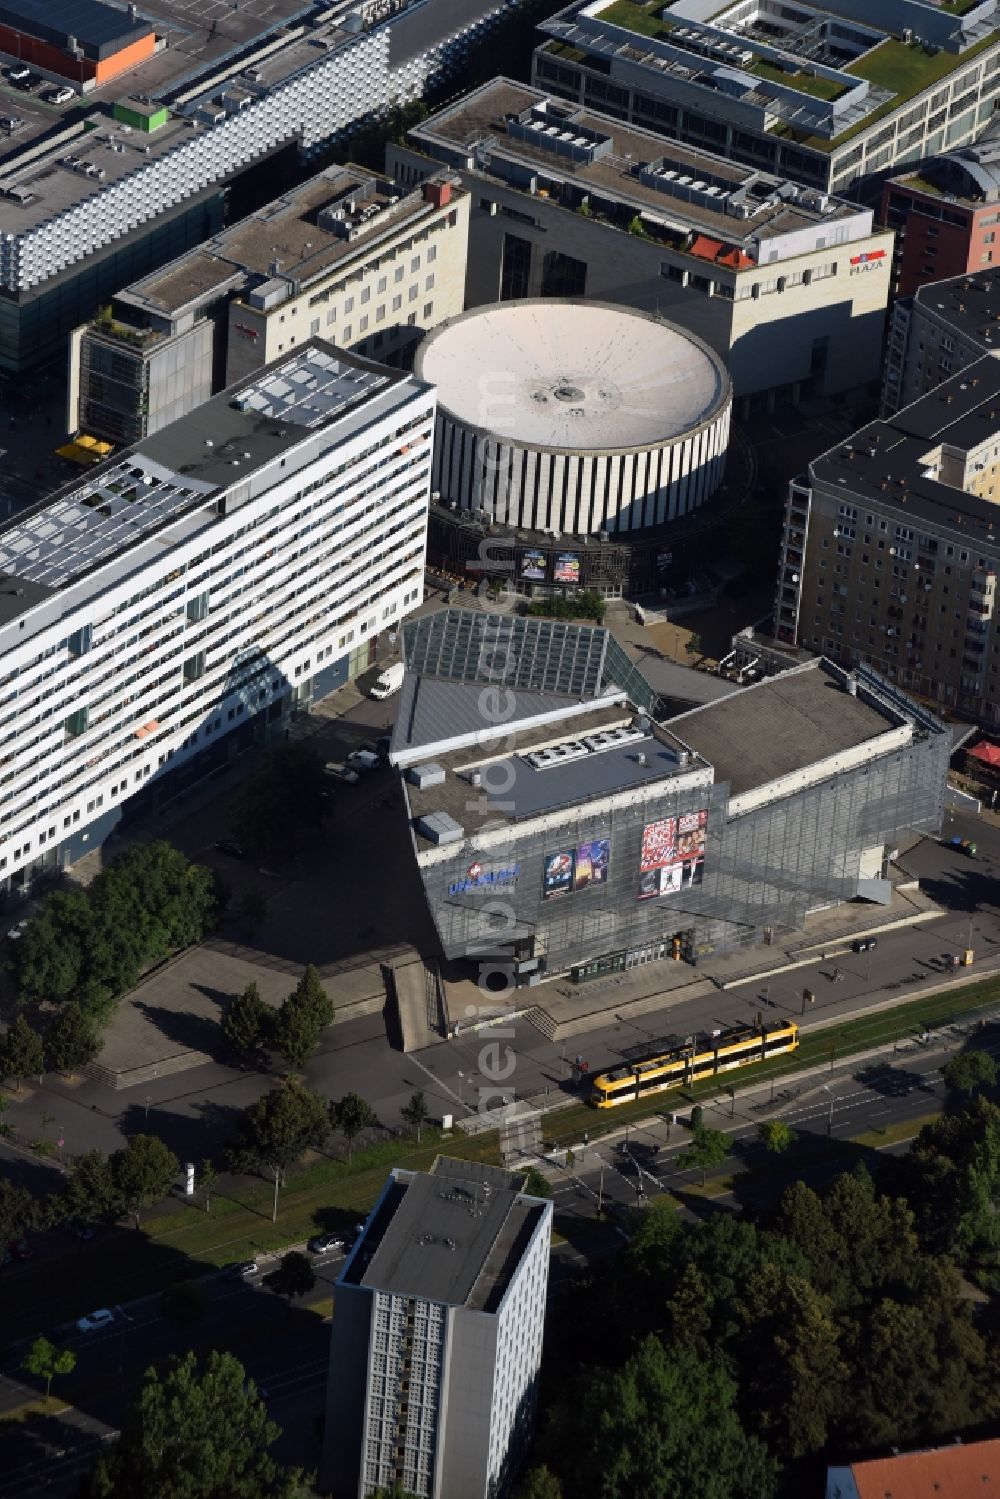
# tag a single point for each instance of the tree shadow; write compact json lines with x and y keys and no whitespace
{"x":204,"y":1132}
{"x":190,"y":1031}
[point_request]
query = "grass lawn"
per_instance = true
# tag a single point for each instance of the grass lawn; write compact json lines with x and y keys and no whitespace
{"x":644,"y":19}
{"x":806,"y":83}
{"x":122,"y":1264}
{"x":832,"y":1043}
{"x":41,"y":1407}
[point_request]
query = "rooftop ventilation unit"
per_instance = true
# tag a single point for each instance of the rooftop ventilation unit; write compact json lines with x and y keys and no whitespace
{"x":557,"y":754}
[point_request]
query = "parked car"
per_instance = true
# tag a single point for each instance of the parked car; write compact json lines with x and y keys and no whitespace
{"x":389,"y":681}
{"x":231,"y":847}
{"x":341,"y":772}
{"x":325,"y":1243}
{"x":362,"y":759}
{"x":17,"y":73}
{"x":95,"y":1320}
{"x":59,"y":95}
{"x":864,"y":944}
{"x":10,"y":123}
{"x":27,"y":82}
{"x":240,"y":1268}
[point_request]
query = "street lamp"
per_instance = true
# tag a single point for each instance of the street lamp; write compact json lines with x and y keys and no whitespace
{"x":149,"y":1100}
{"x":461,"y":1100}
{"x":829,"y":1123}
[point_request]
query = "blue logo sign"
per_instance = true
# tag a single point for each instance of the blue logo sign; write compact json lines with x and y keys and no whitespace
{"x":478,"y":878}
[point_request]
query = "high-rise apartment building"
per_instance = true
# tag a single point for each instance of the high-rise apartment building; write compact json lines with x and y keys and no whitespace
{"x":188,"y":592}
{"x":828,"y":93}
{"x":437,"y":1338}
{"x":934,"y":334}
{"x":891,"y":547}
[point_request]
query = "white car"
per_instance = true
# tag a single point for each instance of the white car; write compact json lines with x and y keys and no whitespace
{"x":95,"y":1320}
{"x":59,"y":95}
{"x":362,"y":760}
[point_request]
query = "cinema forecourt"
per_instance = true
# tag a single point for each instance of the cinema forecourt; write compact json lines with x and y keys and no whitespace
{"x":563,"y":823}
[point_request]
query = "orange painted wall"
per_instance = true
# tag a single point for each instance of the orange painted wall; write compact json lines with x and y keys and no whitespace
{"x":128,"y":57}
{"x":38,"y":54}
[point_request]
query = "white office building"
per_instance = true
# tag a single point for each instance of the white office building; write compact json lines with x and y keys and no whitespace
{"x":437,"y":1340}
{"x":193,"y":589}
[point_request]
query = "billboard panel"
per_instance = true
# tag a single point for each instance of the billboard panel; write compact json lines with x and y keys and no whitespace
{"x":592,"y":863}
{"x":533,"y":565}
{"x":557,"y":873}
{"x":567,"y":568}
{"x":672,"y":856}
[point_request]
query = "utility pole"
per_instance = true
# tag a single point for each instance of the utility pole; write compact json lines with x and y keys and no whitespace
{"x":600,"y":1191}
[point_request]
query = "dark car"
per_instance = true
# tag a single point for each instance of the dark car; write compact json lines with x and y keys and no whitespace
{"x":864,"y":944}
{"x":232,"y":847}
{"x":240,"y":1268}
{"x":325,"y":1243}
{"x":27,"y":82}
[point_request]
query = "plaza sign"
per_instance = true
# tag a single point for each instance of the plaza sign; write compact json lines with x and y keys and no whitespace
{"x":478,"y":878}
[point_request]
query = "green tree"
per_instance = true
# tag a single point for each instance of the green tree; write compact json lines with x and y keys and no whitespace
{"x":276,"y":1130}
{"x":44,"y":1360}
{"x":295,"y":1034}
{"x":664,"y":1424}
{"x":535,"y":1184}
{"x":184,"y":1303}
{"x":206,"y":1179}
{"x":952,"y":1178}
{"x":416,"y":1112}
{"x":776,"y":1136}
{"x":281,"y":802}
{"x":797,"y":1380}
{"x":539,"y":1483}
{"x":51,"y":954}
{"x":90,"y":1194}
{"x":969,"y":1070}
{"x":143,"y":1173}
{"x":708,"y":1148}
{"x":313,"y":999}
{"x":350,"y":1116}
{"x":21,"y":1052}
{"x":247,"y":1022}
{"x":19,"y":1211}
{"x":292,"y":1277}
{"x":693,"y":646}
{"x":71,"y":1041}
{"x":170,"y":1446}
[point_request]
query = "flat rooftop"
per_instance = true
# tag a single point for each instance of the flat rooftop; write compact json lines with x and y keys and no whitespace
{"x":971,"y":303}
{"x":91,"y":521}
{"x":886,"y":462}
{"x":780,"y":725}
{"x":199,"y":40}
{"x":652,"y":756}
{"x":291,"y":231}
{"x":453,"y":1236}
{"x":486,"y":115}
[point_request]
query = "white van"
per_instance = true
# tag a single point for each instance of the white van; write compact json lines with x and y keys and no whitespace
{"x":389,"y":681}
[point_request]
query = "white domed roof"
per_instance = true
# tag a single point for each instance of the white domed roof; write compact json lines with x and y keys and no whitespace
{"x":573,"y":375}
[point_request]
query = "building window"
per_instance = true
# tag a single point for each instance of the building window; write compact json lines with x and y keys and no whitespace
{"x":77,"y":723}
{"x":194,"y":667}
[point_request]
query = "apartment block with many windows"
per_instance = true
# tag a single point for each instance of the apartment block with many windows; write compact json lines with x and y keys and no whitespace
{"x":946,"y":217}
{"x":437,"y":1341}
{"x":891,"y":548}
{"x":189,"y":592}
{"x":934,"y":334}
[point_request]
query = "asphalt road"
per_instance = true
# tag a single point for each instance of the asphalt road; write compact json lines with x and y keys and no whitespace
{"x":877,"y":1097}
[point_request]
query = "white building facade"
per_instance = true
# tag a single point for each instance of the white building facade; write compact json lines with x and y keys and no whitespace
{"x":202,"y":582}
{"x":437,"y":1342}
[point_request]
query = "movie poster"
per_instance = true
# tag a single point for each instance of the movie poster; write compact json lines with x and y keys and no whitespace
{"x":567,"y":568}
{"x":592,"y":861}
{"x":557,"y":873}
{"x":533,"y":565}
{"x":672,"y":856}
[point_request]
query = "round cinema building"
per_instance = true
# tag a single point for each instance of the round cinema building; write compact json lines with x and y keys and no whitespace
{"x":575,"y":418}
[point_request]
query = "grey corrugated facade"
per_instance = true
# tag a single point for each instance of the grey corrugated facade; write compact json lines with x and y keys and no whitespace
{"x":765,"y":867}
